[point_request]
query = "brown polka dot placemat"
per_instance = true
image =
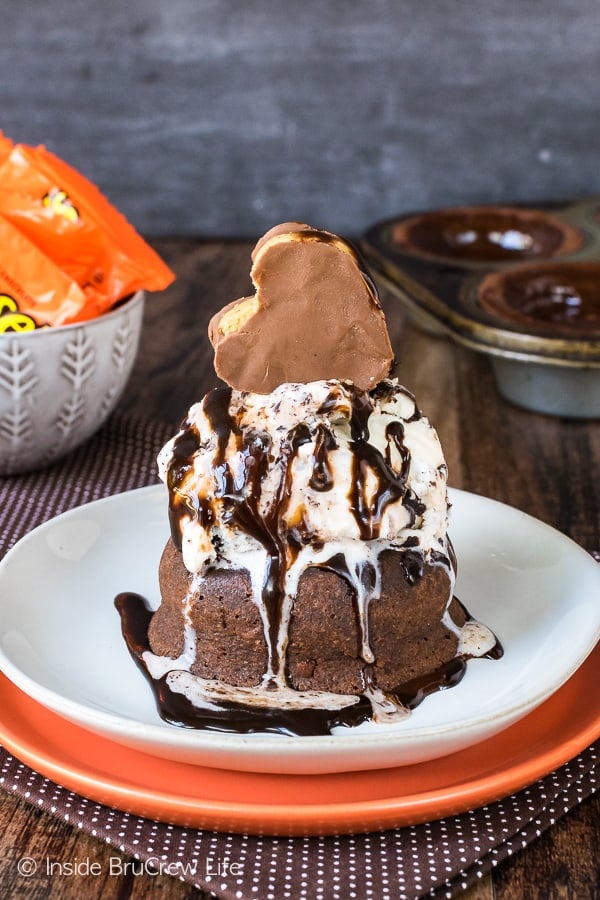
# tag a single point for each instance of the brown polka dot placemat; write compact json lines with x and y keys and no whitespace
{"x":436,"y":859}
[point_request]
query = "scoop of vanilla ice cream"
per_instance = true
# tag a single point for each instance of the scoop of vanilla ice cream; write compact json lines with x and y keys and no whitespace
{"x":301,"y":468}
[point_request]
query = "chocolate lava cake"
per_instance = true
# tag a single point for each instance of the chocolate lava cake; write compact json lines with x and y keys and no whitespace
{"x":407,"y":636}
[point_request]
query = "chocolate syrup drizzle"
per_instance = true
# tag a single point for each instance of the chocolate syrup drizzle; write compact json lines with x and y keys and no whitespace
{"x":239,"y":498}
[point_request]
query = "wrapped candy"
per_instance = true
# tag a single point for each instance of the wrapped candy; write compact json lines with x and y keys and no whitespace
{"x":66,"y":254}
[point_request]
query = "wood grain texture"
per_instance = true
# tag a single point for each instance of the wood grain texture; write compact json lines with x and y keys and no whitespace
{"x":537,"y":463}
{"x":221,"y":118}
{"x":561,"y":865}
{"x":27,"y":832}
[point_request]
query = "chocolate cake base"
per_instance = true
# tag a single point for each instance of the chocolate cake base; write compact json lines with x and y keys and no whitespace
{"x":406,"y":634}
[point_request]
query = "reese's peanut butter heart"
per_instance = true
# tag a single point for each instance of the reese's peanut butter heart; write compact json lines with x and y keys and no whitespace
{"x":315,"y":315}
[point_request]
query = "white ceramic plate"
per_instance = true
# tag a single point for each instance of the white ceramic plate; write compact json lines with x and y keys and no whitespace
{"x":61,"y":643}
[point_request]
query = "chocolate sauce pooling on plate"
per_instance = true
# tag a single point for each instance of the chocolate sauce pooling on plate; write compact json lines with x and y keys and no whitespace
{"x":244,"y":719}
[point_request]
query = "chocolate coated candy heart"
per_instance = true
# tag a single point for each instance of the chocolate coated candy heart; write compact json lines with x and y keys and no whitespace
{"x":315,"y":315}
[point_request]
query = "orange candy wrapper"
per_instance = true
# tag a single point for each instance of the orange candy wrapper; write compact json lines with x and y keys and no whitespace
{"x":66,"y":254}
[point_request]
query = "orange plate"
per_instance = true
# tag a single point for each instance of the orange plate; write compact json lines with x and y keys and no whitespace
{"x":197,"y":796}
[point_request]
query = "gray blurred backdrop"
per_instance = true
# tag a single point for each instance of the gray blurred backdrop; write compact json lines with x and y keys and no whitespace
{"x":221,"y":118}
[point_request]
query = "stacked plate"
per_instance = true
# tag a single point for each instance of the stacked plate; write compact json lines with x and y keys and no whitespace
{"x":75,"y":707}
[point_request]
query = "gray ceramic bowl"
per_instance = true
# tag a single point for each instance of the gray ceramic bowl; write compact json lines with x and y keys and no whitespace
{"x":58,"y":385}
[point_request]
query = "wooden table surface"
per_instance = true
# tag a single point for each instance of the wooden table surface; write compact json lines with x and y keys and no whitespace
{"x":545,"y":466}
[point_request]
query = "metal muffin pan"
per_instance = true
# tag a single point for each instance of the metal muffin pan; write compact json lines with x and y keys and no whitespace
{"x":478,"y":275}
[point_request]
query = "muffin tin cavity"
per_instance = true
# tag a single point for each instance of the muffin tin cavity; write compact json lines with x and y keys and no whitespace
{"x":558,"y":298}
{"x":481,"y":234}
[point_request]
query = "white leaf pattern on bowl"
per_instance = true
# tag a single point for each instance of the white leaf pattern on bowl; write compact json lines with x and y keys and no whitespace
{"x":121,"y":356}
{"x":17,"y":378}
{"x":77,"y":365}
